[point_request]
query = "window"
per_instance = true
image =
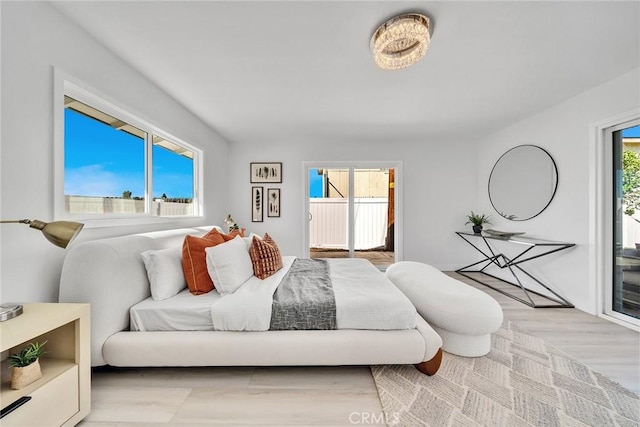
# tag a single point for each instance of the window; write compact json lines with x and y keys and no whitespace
{"x":623,"y":298}
{"x":119,"y":167}
{"x":172,"y":178}
{"x":104,"y":162}
{"x":613,"y":264}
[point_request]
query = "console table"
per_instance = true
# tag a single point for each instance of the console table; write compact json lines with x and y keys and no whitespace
{"x":524,"y":248}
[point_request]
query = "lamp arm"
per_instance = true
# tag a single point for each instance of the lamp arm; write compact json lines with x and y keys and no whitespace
{"x":21,"y":221}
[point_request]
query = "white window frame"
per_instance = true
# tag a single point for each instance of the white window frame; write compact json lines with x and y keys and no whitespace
{"x":601,"y":216}
{"x":67,"y":85}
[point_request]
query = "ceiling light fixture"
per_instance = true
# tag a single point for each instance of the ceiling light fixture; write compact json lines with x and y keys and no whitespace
{"x":401,"y":41}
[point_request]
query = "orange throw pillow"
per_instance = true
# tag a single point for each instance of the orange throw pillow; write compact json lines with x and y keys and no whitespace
{"x":265,"y":256}
{"x":194,"y":262}
{"x":215,"y":232}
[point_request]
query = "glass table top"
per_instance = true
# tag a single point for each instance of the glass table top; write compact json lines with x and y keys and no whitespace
{"x":521,"y":239}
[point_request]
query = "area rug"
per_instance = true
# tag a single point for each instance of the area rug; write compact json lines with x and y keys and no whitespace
{"x":521,"y":382}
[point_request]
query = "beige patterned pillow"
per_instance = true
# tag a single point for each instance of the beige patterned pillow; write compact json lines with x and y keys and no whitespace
{"x":265,"y":256}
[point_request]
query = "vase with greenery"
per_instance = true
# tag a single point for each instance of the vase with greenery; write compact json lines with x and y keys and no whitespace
{"x":478,"y":221}
{"x":25,"y":366}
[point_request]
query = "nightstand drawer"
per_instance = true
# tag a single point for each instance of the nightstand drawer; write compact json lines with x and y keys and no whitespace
{"x":50,"y":405}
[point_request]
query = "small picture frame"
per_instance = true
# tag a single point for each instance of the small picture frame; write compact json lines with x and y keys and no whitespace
{"x":257,"y":203}
{"x":266,"y":173}
{"x":273,"y":202}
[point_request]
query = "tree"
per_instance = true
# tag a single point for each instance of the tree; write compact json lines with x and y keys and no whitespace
{"x":631,"y":182}
{"x":126,"y":194}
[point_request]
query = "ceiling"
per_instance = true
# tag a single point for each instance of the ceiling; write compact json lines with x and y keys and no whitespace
{"x":302,"y":72}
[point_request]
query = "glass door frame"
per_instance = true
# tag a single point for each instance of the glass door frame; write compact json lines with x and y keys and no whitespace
{"x":351,"y":166}
{"x":602,"y":218}
{"x":611,"y":187}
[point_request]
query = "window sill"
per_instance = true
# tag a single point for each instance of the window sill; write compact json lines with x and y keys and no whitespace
{"x":191,"y":221}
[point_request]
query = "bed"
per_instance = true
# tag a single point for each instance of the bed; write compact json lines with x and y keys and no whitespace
{"x":130,"y":329}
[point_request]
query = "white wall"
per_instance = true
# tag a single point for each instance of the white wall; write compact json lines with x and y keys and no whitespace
{"x":564,"y":132}
{"x":36,"y":38}
{"x":439,"y":190}
{"x":443,"y":180}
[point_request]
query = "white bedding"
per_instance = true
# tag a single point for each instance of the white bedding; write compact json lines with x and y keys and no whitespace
{"x":365,"y":299}
{"x":182,"y":312}
{"x":249,"y":308}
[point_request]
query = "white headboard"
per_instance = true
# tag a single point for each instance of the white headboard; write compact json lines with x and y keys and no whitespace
{"x":110,"y":275}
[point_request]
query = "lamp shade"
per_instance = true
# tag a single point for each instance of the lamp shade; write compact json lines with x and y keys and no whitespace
{"x":60,"y":233}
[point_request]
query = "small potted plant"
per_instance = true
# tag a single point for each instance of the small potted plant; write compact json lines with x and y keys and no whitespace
{"x":478,"y":221}
{"x":232,"y":228}
{"x":25,"y":366}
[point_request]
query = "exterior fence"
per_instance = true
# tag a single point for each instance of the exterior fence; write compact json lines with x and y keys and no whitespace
{"x":329,"y":226}
{"x":115,"y":205}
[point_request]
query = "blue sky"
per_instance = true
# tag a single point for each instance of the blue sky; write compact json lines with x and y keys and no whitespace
{"x":633,"y":132}
{"x":315,"y":183}
{"x":101,"y":161}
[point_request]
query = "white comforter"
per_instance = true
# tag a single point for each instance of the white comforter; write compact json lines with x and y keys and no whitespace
{"x":365,"y":299}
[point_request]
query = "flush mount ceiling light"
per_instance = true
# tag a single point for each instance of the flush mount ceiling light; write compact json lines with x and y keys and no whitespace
{"x":401,"y":41}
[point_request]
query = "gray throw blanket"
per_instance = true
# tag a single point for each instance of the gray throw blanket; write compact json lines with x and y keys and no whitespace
{"x":304,"y":300}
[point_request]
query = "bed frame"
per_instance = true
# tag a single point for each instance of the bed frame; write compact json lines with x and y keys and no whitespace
{"x":110,"y":275}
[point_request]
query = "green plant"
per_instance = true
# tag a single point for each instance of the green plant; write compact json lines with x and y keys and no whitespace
{"x":27,"y":355}
{"x":476,"y":219}
{"x":631,"y":182}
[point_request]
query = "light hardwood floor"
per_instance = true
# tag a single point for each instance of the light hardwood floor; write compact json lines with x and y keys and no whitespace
{"x":327,"y":396}
{"x":379,"y":258}
{"x":604,"y":346}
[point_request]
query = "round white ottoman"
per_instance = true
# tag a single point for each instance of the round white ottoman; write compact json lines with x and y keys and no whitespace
{"x":464,"y":316}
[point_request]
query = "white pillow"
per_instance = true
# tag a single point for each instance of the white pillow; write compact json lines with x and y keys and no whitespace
{"x":164,"y":270}
{"x":229,"y":265}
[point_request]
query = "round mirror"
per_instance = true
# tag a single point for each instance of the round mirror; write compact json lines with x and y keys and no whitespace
{"x":523,"y":182}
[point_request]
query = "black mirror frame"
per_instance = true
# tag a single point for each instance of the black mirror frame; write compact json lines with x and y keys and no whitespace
{"x":555,"y":189}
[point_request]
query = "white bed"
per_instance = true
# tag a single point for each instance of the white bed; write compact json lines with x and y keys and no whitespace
{"x":111,"y":276}
{"x":365,"y":299}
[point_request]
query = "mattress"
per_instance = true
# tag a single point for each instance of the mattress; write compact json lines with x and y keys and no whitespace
{"x":182,"y":312}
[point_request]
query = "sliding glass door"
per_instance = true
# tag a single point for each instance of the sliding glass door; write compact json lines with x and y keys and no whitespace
{"x":351,"y":212}
{"x":622,"y":300}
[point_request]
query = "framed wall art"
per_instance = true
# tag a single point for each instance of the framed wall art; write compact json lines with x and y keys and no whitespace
{"x":266,"y":173}
{"x":273,"y":202}
{"x":257,"y":214}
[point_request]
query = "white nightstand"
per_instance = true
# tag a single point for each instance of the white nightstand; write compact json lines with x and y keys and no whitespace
{"x":63,"y":395}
